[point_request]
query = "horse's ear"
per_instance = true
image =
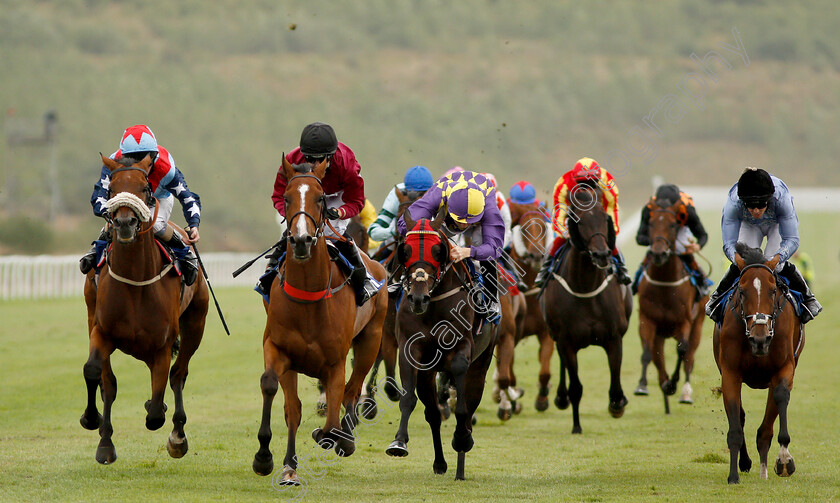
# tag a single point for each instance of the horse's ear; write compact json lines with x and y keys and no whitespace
{"x":574,"y":234}
{"x":443,"y":252}
{"x":610,"y":233}
{"x":109,"y":163}
{"x":401,"y":196}
{"x":145,"y":164}
{"x":438,"y":221}
{"x":320,"y":169}
{"x":739,"y":261}
{"x":409,"y":222}
{"x":772,"y":263}
{"x":402,"y":253}
{"x":288,"y":170}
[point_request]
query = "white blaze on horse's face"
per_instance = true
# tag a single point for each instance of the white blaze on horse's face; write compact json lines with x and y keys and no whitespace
{"x":301,"y":231}
{"x":757,"y":285}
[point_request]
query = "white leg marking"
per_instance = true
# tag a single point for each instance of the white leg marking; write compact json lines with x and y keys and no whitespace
{"x":764,"y":471}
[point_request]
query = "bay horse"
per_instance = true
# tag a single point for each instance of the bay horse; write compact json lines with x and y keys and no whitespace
{"x":513,"y":307}
{"x":668,"y":303}
{"x":758,"y":344}
{"x":531,"y":240}
{"x":583,"y":304}
{"x":139,"y":308}
{"x":436,"y":326}
{"x":312,"y":322}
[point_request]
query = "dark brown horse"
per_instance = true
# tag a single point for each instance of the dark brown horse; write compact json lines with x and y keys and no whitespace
{"x":312,"y":323}
{"x":531,"y":240}
{"x":138,"y":308}
{"x":668,"y":304}
{"x":583,"y":304}
{"x":436,"y":327}
{"x":758,"y":344}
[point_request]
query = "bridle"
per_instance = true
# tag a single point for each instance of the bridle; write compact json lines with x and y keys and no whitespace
{"x":419,"y":274}
{"x":150,"y":200}
{"x":670,"y":244}
{"x":753,"y":320}
{"x":319,"y":227}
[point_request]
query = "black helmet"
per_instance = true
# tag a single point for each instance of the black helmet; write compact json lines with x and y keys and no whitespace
{"x":669,"y":192}
{"x":755,"y":186}
{"x":318,"y":140}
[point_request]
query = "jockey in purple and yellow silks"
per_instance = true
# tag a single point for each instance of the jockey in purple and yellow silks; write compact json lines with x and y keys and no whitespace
{"x":470,"y":200}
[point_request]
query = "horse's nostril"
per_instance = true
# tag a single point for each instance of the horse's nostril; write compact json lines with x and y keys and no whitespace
{"x":309,"y":239}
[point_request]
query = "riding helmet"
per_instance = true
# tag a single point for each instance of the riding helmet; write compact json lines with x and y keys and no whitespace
{"x":523,"y":192}
{"x":418,"y":178}
{"x":318,"y":140}
{"x":755,"y":185}
{"x":466,"y":202}
{"x":138,"y":138}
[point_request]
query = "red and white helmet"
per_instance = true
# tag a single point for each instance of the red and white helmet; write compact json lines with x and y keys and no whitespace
{"x":138,"y":138}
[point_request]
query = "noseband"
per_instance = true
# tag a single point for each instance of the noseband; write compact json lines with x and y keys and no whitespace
{"x":126,"y":199}
{"x":753,"y":320}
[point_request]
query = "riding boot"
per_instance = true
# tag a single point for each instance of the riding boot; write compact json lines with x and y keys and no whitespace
{"x":185,"y":256}
{"x":729,"y":278}
{"x":702,"y":283}
{"x":89,"y":260}
{"x":545,"y":270}
{"x":811,"y":308}
{"x":492,"y":308}
{"x":263,"y":286}
{"x":363,"y":284}
{"x":637,"y":278}
{"x":620,"y":269}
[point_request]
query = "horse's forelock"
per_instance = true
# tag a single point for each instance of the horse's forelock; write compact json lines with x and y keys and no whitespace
{"x":304,"y":167}
{"x":664,"y":202}
{"x":126,"y":161}
{"x":750,"y":256}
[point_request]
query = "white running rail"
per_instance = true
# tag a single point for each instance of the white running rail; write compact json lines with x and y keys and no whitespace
{"x":51,"y":276}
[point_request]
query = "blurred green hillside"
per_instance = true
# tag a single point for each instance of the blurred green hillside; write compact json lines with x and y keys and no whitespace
{"x":521,"y":89}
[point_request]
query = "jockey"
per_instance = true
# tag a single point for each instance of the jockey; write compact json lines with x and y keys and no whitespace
{"x":417,"y":180}
{"x":585,"y":169}
{"x":691,"y":236}
{"x":470,"y":200}
{"x":345,"y":194}
{"x":523,"y":192}
{"x":166,"y":180}
{"x":504,"y":209}
{"x":760,"y":205}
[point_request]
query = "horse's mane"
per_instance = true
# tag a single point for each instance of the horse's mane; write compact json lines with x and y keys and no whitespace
{"x":664,"y":202}
{"x":751,"y":256}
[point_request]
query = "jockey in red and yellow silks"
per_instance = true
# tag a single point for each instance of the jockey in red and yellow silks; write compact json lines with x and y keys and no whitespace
{"x":586,"y":169}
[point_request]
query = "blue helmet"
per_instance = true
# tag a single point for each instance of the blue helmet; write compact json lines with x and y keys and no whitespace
{"x":418,"y":178}
{"x":523,"y":192}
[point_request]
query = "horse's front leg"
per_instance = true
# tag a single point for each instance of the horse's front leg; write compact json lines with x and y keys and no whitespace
{"x":408,"y":400}
{"x":462,"y":440}
{"x":97,"y":371}
{"x":731,"y":387}
{"x":106,"y":453}
{"x":330,"y":435}
{"x":682,"y":351}
{"x":781,"y":395}
{"x":91,"y":418}
{"x":263,"y":460}
{"x":155,"y":408}
{"x":546,"y":350}
{"x":617,"y":400}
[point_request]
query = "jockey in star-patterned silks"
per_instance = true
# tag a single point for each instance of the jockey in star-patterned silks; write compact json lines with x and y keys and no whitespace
{"x":585,"y":170}
{"x":470,"y":200}
{"x":167,"y":183}
{"x":344,"y":190}
{"x":760,"y":206}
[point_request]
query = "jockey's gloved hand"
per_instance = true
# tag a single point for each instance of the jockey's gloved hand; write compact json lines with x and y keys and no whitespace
{"x":334,"y":214}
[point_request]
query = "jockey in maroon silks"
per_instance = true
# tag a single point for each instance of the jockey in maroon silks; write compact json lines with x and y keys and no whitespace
{"x":345,"y":198}
{"x":470,"y":199}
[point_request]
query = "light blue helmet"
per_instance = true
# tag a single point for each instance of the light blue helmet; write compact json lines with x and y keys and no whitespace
{"x":138,"y":138}
{"x":418,"y":178}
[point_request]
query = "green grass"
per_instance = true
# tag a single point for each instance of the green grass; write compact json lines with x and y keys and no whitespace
{"x":644,"y":456}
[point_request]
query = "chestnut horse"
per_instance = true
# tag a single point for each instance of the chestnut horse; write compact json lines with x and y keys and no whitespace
{"x":758,"y":344}
{"x":311,"y":325}
{"x":583,"y":304}
{"x":668,"y":304}
{"x":513,"y":309}
{"x":530,"y":242}
{"x":139,"y":308}
{"x":436,"y":327}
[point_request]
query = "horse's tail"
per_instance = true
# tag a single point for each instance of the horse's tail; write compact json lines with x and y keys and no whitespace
{"x":176,"y":346}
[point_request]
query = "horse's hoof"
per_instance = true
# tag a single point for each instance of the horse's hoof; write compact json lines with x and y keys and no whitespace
{"x":345,"y":448}
{"x":669,"y":388}
{"x":398,"y":449}
{"x":734,"y":479}
{"x":687,"y":400}
{"x":149,"y":403}
{"x":91,"y":422}
{"x":577,"y":430}
{"x":392,"y":391}
{"x":318,"y":435}
{"x":785,"y":468}
{"x":617,"y":409}
{"x":517,"y":407}
{"x":744,"y":464}
{"x":439,"y":468}
{"x":154,"y":423}
{"x":288,"y":477}
{"x":497,"y":394}
{"x":106,"y":453}
{"x":561,"y":403}
{"x":641,"y":390}
{"x":685,"y":396}
{"x":263,"y":465}
{"x":541,"y":403}
{"x":368,"y":410}
{"x":504,"y":414}
{"x":177,"y":447}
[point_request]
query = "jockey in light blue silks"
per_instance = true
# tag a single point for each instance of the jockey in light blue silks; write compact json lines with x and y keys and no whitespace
{"x":760,"y":206}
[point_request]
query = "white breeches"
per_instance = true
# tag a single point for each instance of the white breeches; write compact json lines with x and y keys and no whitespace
{"x":163,"y":215}
{"x":752,"y":236}
{"x":335,"y":201}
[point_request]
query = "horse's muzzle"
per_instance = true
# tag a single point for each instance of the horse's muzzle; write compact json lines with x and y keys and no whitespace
{"x":760,"y":345}
{"x":302,"y":247}
{"x":419,"y":302}
{"x":601,"y":258}
{"x":126,"y":228}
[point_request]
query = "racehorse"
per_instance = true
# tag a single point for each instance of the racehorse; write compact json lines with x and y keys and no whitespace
{"x":668,"y":304}
{"x":758,"y":344}
{"x":530,"y":242}
{"x":513,"y":309}
{"x":140,"y":308}
{"x":312,"y":322}
{"x":436,"y":327}
{"x":356,"y":230}
{"x":585,"y":305}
